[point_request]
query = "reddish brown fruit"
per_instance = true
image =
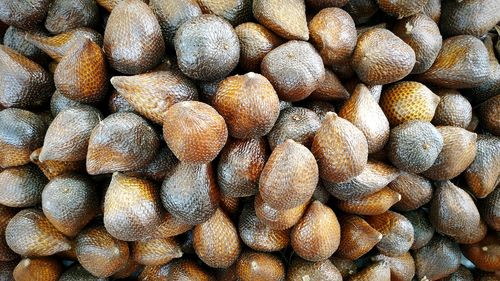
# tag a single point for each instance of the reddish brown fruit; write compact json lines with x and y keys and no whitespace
{"x":278,"y":219}
{"x":357,"y":237}
{"x":300,"y":270}
{"x":397,"y":233}
{"x":38,"y":269}
{"x":156,"y":251}
{"x":438,"y":259}
{"x":291,"y":25}
{"x":255,"y":266}
{"x":373,"y":204}
{"x":485,"y":254}
{"x":52,"y":169}
{"x":402,"y":267}
{"x":22,"y":186}
{"x":415,"y":191}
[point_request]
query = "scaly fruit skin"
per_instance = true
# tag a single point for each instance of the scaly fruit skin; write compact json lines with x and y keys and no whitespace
{"x":453,"y":109}
{"x":376,"y":271}
{"x":401,"y":8}
{"x":15,"y":38}
{"x":490,"y":209}
{"x":360,"y":10}
{"x":156,"y":251}
{"x":415,"y":191}
{"x":275,"y":218}
{"x":300,"y":269}
{"x":291,"y":25}
{"x":423,"y":231}
{"x":6,"y":253}
{"x":485,"y":253}
{"x":433,"y":10}
{"x":235,"y":12}
{"x":66,"y":15}
{"x":331,"y":89}
{"x":38,"y":269}
{"x":482,"y":175}
{"x":22,"y":14}
{"x":402,"y":267}
{"x":52,"y":169}
{"x":22,"y":186}
{"x":78,"y":273}
{"x":258,"y":266}
{"x":371,"y":205}
{"x":357,"y":237}
{"x":489,"y":112}
{"x":438,"y":259}
{"x":475,"y":17}
{"x":59,"y":102}
{"x":397,"y":233}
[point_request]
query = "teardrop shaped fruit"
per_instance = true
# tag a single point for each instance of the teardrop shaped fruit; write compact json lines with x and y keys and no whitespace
{"x":23,"y":83}
{"x":187,"y":269}
{"x":295,"y":69}
{"x":100,"y":253}
{"x":133,"y":42}
{"x":190,"y":193}
{"x":340,"y":148}
{"x":29,"y":233}
{"x":414,"y":146}
{"x":363,"y":111}
{"x":58,"y":45}
{"x":438,"y":259}
{"x":194,"y":131}
{"x":462,"y":63}
{"x":370,"y":205}
{"x":415,"y":191}
{"x":401,"y":8}
{"x":156,"y":251}
{"x":257,"y":266}
{"x":300,"y":270}
{"x":379,"y":271}
{"x":6,"y":254}
{"x":65,"y":15}
{"x":170,"y":226}
{"x":216,"y":241}
{"x":470,"y":17}
{"x":317,"y":234}
{"x":490,"y":209}
{"x":59,"y":102}
{"x":240,"y":165}
{"x":275,"y":218}
{"x":52,"y":169}
{"x":38,"y":269}
{"x":291,"y":25}
{"x":68,"y":135}
{"x":357,"y":237}
{"x":81,"y":74}
{"x":485,"y":254}
{"x":249,"y":105}
{"x":159,"y":167}
{"x":77,"y":273}
{"x":397,"y":233}
{"x":289,"y":177}
{"x":21,"y":186}
{"x":330,"y":89}
{"x":422,"y":34}
{"x":380,"y":57}
{"x":15,"y":38}
{"x":69,"y":202}
{"x":402,"y":267}
{"x":235,"y":12}
{"x":422,"y":228}
{"x":488,"y":114}
{"x":373,"y":178}
{"x":207,"y":58}
{"x":121,"y":142}
{"x":132,"y":208}
{"x":360,"y":10}
{"x":453,"y":109}
{"x":483,"y":174}
{"x":22,"y":14}
{"x":449,"y":163}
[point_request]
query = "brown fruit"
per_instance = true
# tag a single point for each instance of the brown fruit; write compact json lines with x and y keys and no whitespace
{"x":489,"y":112}
{"x":216,"y":241}
{"x":278,"y":219}
{"x":249,"y":105}
{"x":401,"y":8}
{"x":52,"y":169}
{"x":117,"y":103}
{"x":475,"y":17}
{"x":38,"y":269}
{"x":397,"y":233}
{"x":133,"y":42}
{"x":438,"y":259}
{"x":109,"y":5}
{"x":15,"y":38}
{"x":155,"y":272}
{"x":414,"y":146}
{"x":370,"y":205}
{"x":321,"y":4}
{"x":23,"y":14}
{"x":77,"y":273}
{"x":235,"y":12}
{"x":190,"y":193}
{"x":423,"y":36}
{"x":289,"y":177}
{"x":483,"y":174}
{"x":156,"y":251}
{"x":184,"y":269}
{"x":194,"y":131}
{"x":255,"y":266}
{"x":21,"y":186}
{"x":100,"y":253}
{"x":346,"y":267}
{"x":485,"y":254}
{"x":6,"y":254}
{"x":121,"y":142}
{"x":207,"y":58}
{"x":402,"y":267}
{"x":361,"y":10}
{"x":453,"y":109}
{"x":300,"y":270}
{"x":433,"y":10}
{"x":321,"y":194}
{"x":449,"y":163}
{"x":379,"y":271}
{"x":159,"y":167}
{"x":291,"y":25}
{"x":130,"y":268}
{"x":331,"y":89}
{"x":6,"y":270}
{"x":357,"y":237}
{"x":490,"y":209}
{"x":462,"y":274}
{"x":29,"y":233}
{"x":415,"y":191}
{"x":132,"y":208}
{"x":341,"y":149}
{"x":321,"y":108}
{"x":170,"y":226}
{"x":230,"y":205}
{"x":363,"y":111}
{"x":151,"y":94}
{"x":295,"y":69}
{"x":317,"y":234}
{"x":59,"y":102}
{"x":381,"y":57}
{"x":66,"y":15}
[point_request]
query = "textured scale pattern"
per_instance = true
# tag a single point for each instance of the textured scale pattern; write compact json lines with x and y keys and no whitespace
{"x":433,"y":10}
{"x":181,"y":270}
{"x":52,"y":169}
{"x":38,"y":269}
{"x":258,"y":266}
{"x":484,"y":254}
{"x":397,"y":233}
{"x":474,"y":17}
{"x":401,"y":8}
{"x":360,"y":10}
{"x":291,"y":25}
{"x":453,"y":110}
{"x":415,"y":191}
{"x":15,"y":38}
{"x":300,"y":270}
{"x":373,"y":204}
{"x":488,"y":114}
{"x":483,"y":175}
{"x":331,"y":89}
{"x":66,"y":15}
{"x":78,"y":273}
{"x":438,"y":259}
{"x":23,"y":14}
{"x":156,"y":251}
{"x":156,"y":170}
{"x":59,"y":102}
{"x":357,"y":237}
{"x":235,"y":12}
{"x":170,"y":226}
{"x":117,"y":103}
{"x":379,"y":271}
{"x":21,"y":186}
{"x":275,"y":218}
{"x":6,"y":254}
{"x":402,"y":267}
{"x":423,"y":231}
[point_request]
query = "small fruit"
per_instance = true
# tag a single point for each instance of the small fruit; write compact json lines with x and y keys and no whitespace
{"x":257,"y":266}
{"x":22,"y":186}
{"x":38,"y":269}
{"x":23,"y":14}
{"x":275,"y":218}
{"x":453,"y":109}
{"x":357,"y":237}
{"x":373,"y":204}
{"x":438,"y":259}
{"x":397,"y":233}
{"x":482,"y":176}
{"x":475,"y":17}
{"x":331,"y":89}
{"x":291,"y":25}
{"x":66,"y":15}
{"x":155,"y":251}
{"x":415,"y":191}
{"x":300,"y":270}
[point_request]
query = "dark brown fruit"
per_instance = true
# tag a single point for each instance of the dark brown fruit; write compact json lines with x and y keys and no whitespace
{"x":331,"y":89}
{"x":469,"y":17}
{"x":295,"y":69}
{"x":156,"y":251}
{"x":321,"y":108}
{"x":361,"y":10}
{"x":300,"y":270}
{"x":15,"y":38}
{"x":489,"y":112}
{"x":321,"y":4}
{"x":438,"y":259}
{"x":415,"y":191}
{"x":485,"y":254}
{"x":121,"y":142}
{"x":291,"y":25}
{"x":370,"y":205}
{"x":29,"y":233}
{"x":133,"y":42}
{"x":381,"y":57}
{"x":184,"y":269}
{"x":159,"y":167}
{"x":490,"y":209}
{"x":190,"y":193}
{"x":23,"y":14}
{"x":100,"y":253}
{"x":379,"y":271}
{"x":21,"y":186}
{"x":483,"y":174}
{"x":397,"y":233}
{"x":151,"y":94}
{"x":401,"y":8}
{"x":462,"y":274}
{"x":278,"y":219}
{"x":357,"y":237}
{"x":402,"y":267}
{"x":346,"y":267}
{"x":59,"y":102}
{"x":289,"y":177}
{"x":77,"y":273}
{"x":230,"y":205}
{"x":6,"y":254}
{"x":130,"y":268}
{"x":194,"y":131}
{"x":206,"y":58}
{"x":255,"y":266}
{"x":117,"y":103}
{"x":38,"y":269}
{"x":235,"y":12}
{"x":6,"y":270}
{"x":453,"y":109}
{"x":52,"y":169}
{"x":433,"y":10}
{"x":66,"y":15}
{"x":155,"y":272}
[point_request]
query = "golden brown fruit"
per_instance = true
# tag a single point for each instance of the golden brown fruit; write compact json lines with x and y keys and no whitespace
{"x":69,"y":202}
{"x":370,"y":205}
{"x":235,"y":12}
{"x":190,"y":193}
{"x":453,"y":109}
{"x":423,"y":36}
{"x":401,"y":8}
{"x":15,"y":38}
{"x":482,"y":176}
{"x":295,"y":69}
{"x":317,"y":234}
{"x":170,"y":226}
{"x":291,"y":25}
{"x":151,"y":94}
{"x":275,"y":218}
{"x":23,"y":82}
{"x":156,"y":251}
{"x":295,"y":123}
{"x":100,"y":253}
{"x":184,"y":269}
{"x":402,"y":267}
{"x":289,"y":177}
{"x":363,"y":111}
{"x":438,"y":259}
{"x":155,"y":272}
{"x":255,"y":266}
{"x":133,"y":42}
{"x":29,"y":233}
{"x":52,"y":169}
{"x":449,"y":163}
{"x":21,"y":186}
{"x":361,"y":10}
{"x":414,"y":146}
{"x":357,"y":237}
{"x":489,"y":113}
{"x":6,"y":254}
{"x":331,"y":89}
{"x":240,"y":165}
{"x":66,"y":15}
{"x":422,"y":228}
{"x":216,"y":241}
{"x":249,"y":105}
{"x":415,"y":191}
{"x":230,"y":205}
{"x":433,"y":10}
{"x":203,"y":57}
{"x":26,"y":15}
{"x":469,"y":17}
{"x":397,"y":233}
{"x":194,"y":131}
{"x":485,"y":254}
{"x":340,"y":148}
{"x":59,"y":102}
{"x":132,"y":208}
{"x":77,"y":273}
{"x":121,"y":142}
{"x":379,"y":271}
{"x":490,"y":209}
{"x":300,"y":270}
{"x":38,"y":269}
{"x":381,"y":57}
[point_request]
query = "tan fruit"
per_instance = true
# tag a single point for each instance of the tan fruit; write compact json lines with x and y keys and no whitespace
{"x":275,"y":218}
{"x":184,"y":269}
{"x":402,"y":267}
{"x":438,"y":259}
{"x":291,"y":25}
{"x":300,"y":270}
{"x":453,"y":109}
{"x":38,"y":269}
{"x":331,"y":89}
{"x":373,"y":204}
{"x":156,"y":251}
{"x":255,"y":266}
{"x":357,"y":237}
{"x":22,"y":186}
{"x":377,"y":271}
{"x":397,"y":233}
{"x":482,"y":176}
{"x":415,"y":191}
